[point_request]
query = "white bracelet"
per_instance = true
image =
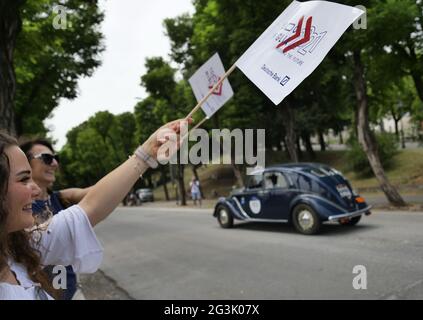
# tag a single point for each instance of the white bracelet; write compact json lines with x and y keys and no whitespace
{"x":138,"y":168}
{"x":149,"y":160}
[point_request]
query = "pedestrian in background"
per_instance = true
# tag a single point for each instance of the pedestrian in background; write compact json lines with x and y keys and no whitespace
{"x":195,"y":191}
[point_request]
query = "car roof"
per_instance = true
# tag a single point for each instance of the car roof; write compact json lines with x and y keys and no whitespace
{"x":300,"y":166}
{"x":294,"y":167}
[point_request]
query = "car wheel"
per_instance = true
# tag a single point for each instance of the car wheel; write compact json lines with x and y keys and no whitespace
{"x":350,"y":222}
{"x":305,"y":219}
{"x":224,"y":218}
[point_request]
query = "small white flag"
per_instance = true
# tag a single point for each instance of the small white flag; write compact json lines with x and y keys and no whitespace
{"x":294,"y":45}
{"x":204,"y":79}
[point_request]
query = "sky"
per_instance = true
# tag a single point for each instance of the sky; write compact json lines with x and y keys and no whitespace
{"x":133,"y":30}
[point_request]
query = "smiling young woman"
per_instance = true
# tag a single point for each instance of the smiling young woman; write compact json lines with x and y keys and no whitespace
{"x":17,"y":191}
{"x":69,"y":238}
{"x":44,"y":164}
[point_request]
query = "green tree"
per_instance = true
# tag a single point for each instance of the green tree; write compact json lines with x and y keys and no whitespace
{"x":95,"y":147}
{"x":362,"y":49}
{"x":212,"y":30}
{"x":168,"y":100}
{"x":41,"y":64}
{"x":402,"y":39}
{"x":394,"y":100}
{"x":49,"y":61}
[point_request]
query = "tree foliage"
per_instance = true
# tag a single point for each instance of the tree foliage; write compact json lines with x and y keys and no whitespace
{"x":49,"y":61}
{"x":95,"y":147}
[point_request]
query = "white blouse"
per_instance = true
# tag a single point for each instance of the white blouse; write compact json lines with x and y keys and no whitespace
{"x":68,"y":240}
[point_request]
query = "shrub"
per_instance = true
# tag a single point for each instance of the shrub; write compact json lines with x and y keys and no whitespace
{"x":357,"y":159}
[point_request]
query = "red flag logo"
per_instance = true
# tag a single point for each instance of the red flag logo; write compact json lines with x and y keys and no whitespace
{"x":297,"y":34}
{"x":218,"y":90}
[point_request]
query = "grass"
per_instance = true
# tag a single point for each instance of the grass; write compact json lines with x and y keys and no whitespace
{"x":406,"y":173}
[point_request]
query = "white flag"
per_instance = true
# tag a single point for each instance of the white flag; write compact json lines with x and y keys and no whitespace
{"x":294,"y":45}
{"x":204,"y":79}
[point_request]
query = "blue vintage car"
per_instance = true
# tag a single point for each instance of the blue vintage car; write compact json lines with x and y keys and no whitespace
{"x":304,"y":194}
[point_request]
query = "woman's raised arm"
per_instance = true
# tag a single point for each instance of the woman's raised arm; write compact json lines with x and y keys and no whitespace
{"x":107,"y":193}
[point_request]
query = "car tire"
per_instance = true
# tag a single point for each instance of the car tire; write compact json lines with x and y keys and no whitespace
{"x":306,"y":220}
{"x":352,"y":222}
{"x":224,"y":217}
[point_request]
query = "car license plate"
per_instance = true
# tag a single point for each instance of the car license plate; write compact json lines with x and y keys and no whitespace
{"x":344,"y":191}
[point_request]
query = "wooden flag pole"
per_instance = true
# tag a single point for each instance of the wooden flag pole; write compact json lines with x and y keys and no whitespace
{"x":200,"y":103}
{"x":196,"y":126}
{"x":200,"y":123}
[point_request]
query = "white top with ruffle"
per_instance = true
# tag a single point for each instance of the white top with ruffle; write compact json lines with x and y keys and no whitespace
{"x":68,"y":240}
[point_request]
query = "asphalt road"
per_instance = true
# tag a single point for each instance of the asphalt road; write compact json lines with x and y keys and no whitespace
{"x":178,"y":253}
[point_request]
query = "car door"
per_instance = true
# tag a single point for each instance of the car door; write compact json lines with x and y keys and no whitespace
{"x":280,"y":194}
{"x":253,"y":201}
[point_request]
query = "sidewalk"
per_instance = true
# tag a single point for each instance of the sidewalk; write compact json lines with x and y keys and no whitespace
{"x":380,"y":200}
{"x":99,"y":286}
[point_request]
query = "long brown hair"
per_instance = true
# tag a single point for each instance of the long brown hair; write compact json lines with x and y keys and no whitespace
{"x":17,"y":245}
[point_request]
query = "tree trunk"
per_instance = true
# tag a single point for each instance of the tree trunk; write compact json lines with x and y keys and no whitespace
{"x":279,"y":146}
{"x":396,"y":120}
{"x":195,"y":173}
{"x":181,"y":184}
{"x":309,"y":147}
{"x":285,"y":147}
{"x":382,"y":126}
{"x":396,"y":129}
{"x":290,"y":138}
{"x":341,"y":138}
{"x":298,"y":147}
{"x":150,"y":181}
{"x":365,"y":135}
{"x":418,"y":82}
{"x":237,"y":172}
{"x":402,"y":137}
{"x":322,"y":141}
{"x":166,"y":192}
{"x":216,"y":120}
{"x":10,"y":26}
{"x":409,"y":53}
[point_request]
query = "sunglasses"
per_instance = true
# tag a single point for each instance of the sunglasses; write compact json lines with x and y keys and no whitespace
{"x":47,"y":158}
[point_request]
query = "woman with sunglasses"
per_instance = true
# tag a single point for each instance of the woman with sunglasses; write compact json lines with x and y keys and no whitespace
{"x":68,"y":239}
{"x":44,"y":164}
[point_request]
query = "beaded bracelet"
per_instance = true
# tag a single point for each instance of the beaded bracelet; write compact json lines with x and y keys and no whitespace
{"x":144,"y":156}
{"x":138,"y":167}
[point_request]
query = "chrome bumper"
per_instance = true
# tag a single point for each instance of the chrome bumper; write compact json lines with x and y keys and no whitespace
{"x":349,"y":214}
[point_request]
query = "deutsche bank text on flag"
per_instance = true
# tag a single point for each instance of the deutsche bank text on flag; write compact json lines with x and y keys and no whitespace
{"x":294,"y":45}
{"x":204,"y":79}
